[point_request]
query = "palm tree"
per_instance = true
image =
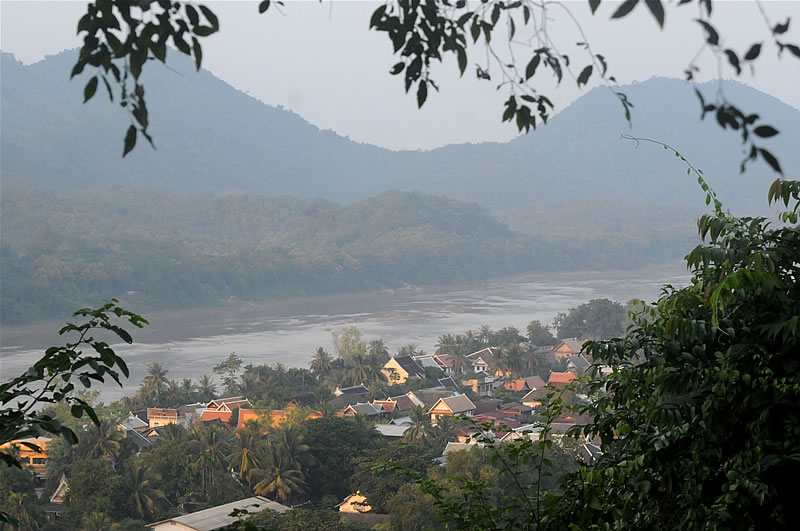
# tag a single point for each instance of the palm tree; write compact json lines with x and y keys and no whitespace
{"x":15,"y":506}
{"x":446,"y":344}
{"x":500,"y":363}
{"x":187,"y":389}
{"x":446,"y":430}
{"x":485,"y":334}
{"x":458,"y":364}
{"x":213,"y":458}
{"x":421,"y":427}
{"x":245,"y":455}
{"x":292,"y":437}
{"x":406,"y":350}
{"x":142,"y":498}
{"x":279,"y":475}
{"x":378,"y":350}
{"x":173,"y":392}
{"x":96,"y":522}
{"x":104,"y":440}
{"x":206,"y":388}
{"x":359,"y":370}
{"x":321,"y":364}
{"x":156,"y":380}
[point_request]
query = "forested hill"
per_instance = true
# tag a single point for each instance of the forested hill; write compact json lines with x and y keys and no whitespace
{"x":214,"y":138}
{"x":157,"y":250}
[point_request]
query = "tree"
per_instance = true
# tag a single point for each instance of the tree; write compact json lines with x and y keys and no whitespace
{"x":212,"y":460}
{"x":229,"y":369}
{"x":156,"y":381}
{"x":279,"y":475}
{"x":377,"y":480}
{"x":102,"y":441}
{"x":244,"y":457}
{"x":206,"y":388}
{"x":142,"y":497}
{"x":377,"y":349}
{"x":410,"y":509}
{"x":93,"y":488}
{"x":348,"y":344}
{"x":539,"y":334}
{"x":596,"y":319}
{"x":421,"y":425}
{"x":321,"y":364}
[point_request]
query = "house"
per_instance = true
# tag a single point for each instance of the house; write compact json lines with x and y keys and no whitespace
{"x":274,"y":418}
{"x":355,"y":503}
{"x":132,"y":422}
{"x":161,"y":416}
{"x":515,"y":410}
{"x":482,"y":384}
{"x":217,"y":517}
{"x":392,"y":432}
{"x":445,"y":362}
{"x":589,"y":451}
{"x":567,"y":347}
{"x":535,"y":397}
{"x":525,"y":384}
{"x":427,"y":397}
{"x":561,"y":379}
{"x":405,"y":402}
{"x":451,"y":406}
{"x":388,"y":405}
{"x":364,"y":409}
{"x":484,"y":406}
{"x":344,"y":400}
{"x":222,"y":408}
{"x":448,"y":383}
{"x":354,"y":390}
{"x":578,"y":364}
{"x":427,"y":361}
{"x":482,"y":360}
{"x":398,"y":370}
{"x":33,"y":453}
{"x":61,"y":490}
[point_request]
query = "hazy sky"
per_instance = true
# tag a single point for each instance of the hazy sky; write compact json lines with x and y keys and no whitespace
{"x":322,"y":61}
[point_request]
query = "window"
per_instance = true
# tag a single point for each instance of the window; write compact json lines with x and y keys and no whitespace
{"x":38,"y":460}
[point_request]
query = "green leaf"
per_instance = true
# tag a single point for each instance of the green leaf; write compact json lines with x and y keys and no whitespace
{"x":77,"y":411}
{"x":203,"y":31}
{"x":712,"y":37}
{"x":263,"y":6}
{"x":626,"y":7}
{"x":422,"y":93}
{"x":397,"y":68}
{"x":753,"y":52}
{"x":733,"y":59}
{"x":130,"y":140}
{"x":765,"y":131}
{"x":657,"y":10}
{"x":90,"y":89}
{"x":530,"y":70}
{"x":191,"y":12}
{"x":462,"y":59}
{"x":593,"y":5}
{"x":770,"y":159}
{"x":211,"y":17}
{"x":583,"y":78}
{"x":198,"y":53}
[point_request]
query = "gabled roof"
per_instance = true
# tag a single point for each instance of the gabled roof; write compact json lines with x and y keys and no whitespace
{"x":218,"y":517}
{"x":392,"y":430}
{"x":455,"y":446}
{"x":228,"y":404}
{"x":536,"y":395}
{"x":410,"y":366}
{"x":574,"y":344}
{"x":445,"y":361}
{"x":562,"y":378}
{"x":132,"y":422}
{"x":61,"y":489}
{"x":246,"y":415}
{"x":343,"y":401}
{"x":456,"y":404}
{"x":429,"y":396}
{"x":486,"y":354}
{"x":404,"y":402}
{"x":579,"y":361}
{"x":388,"y":405}
{"x":534,"y":382}
{"x":448,"y":383}
{"x":483,"y":406}
{"x":354,"y":390}
{"x":365,"y":409}
{"x":426,"y":361}
{"x":138,"y":439}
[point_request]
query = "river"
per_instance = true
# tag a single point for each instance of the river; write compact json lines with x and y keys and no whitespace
{"x":190,"y":342}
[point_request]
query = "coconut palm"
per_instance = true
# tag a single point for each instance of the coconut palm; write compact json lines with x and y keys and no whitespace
{"x":206,"y":388}
{"x":292,"y":438}
{"x":421,"y":427}
{"x":141,"y":500}
{"x":187,"y":389}
{"x":104,"y":440}
{"x":485,"y":334}
{"x":359,"y":370}
{"x":156,"y":380}
{"x":407,"y":350}
{"x":96,"y":522}
{"x":173,"y":392}
{"x":377,"y":349}
{"x":245,"y":457}
{"x":322,"y":363}
{"x":213,"y":458}
{"x":15,"y":506}
{"x":279,"y":476}
{"x":459,"y":364}
{"x":446,"y":430}
{"x":446,"y":344}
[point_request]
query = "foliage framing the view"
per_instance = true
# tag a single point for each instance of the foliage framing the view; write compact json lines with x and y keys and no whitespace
{"x":422,"y":32}
{"x":52,"y":379}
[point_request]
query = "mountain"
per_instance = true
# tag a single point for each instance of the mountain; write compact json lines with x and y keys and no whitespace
{"x":214,"y":138}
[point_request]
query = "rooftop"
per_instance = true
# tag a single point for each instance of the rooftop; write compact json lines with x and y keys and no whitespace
{"x":218,"y":517}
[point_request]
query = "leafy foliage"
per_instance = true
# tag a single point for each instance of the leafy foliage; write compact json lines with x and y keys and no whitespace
{"x":51,"y":379}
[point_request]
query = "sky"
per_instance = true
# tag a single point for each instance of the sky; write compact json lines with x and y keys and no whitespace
{"x":321,"y":61}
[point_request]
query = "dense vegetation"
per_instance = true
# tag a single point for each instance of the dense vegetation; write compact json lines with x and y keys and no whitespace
{"x":155,"y":249}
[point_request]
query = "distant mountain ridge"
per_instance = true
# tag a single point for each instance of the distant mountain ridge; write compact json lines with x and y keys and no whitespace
{"x":214,"y":138}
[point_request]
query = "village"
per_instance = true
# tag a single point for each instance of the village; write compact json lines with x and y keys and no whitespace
{"x":447,"y":403}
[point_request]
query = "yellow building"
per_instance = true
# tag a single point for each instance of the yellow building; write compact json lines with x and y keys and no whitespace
{"x":32,"y":453}
{"x":399,"y":370}
{"x":160,"y":416}
{"x":355,"y":503}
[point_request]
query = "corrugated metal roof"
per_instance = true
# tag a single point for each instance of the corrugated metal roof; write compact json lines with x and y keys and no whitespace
{"x":219,"y":516}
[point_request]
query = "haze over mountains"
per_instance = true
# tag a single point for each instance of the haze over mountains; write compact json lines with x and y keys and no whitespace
{"x":585,"y":198}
